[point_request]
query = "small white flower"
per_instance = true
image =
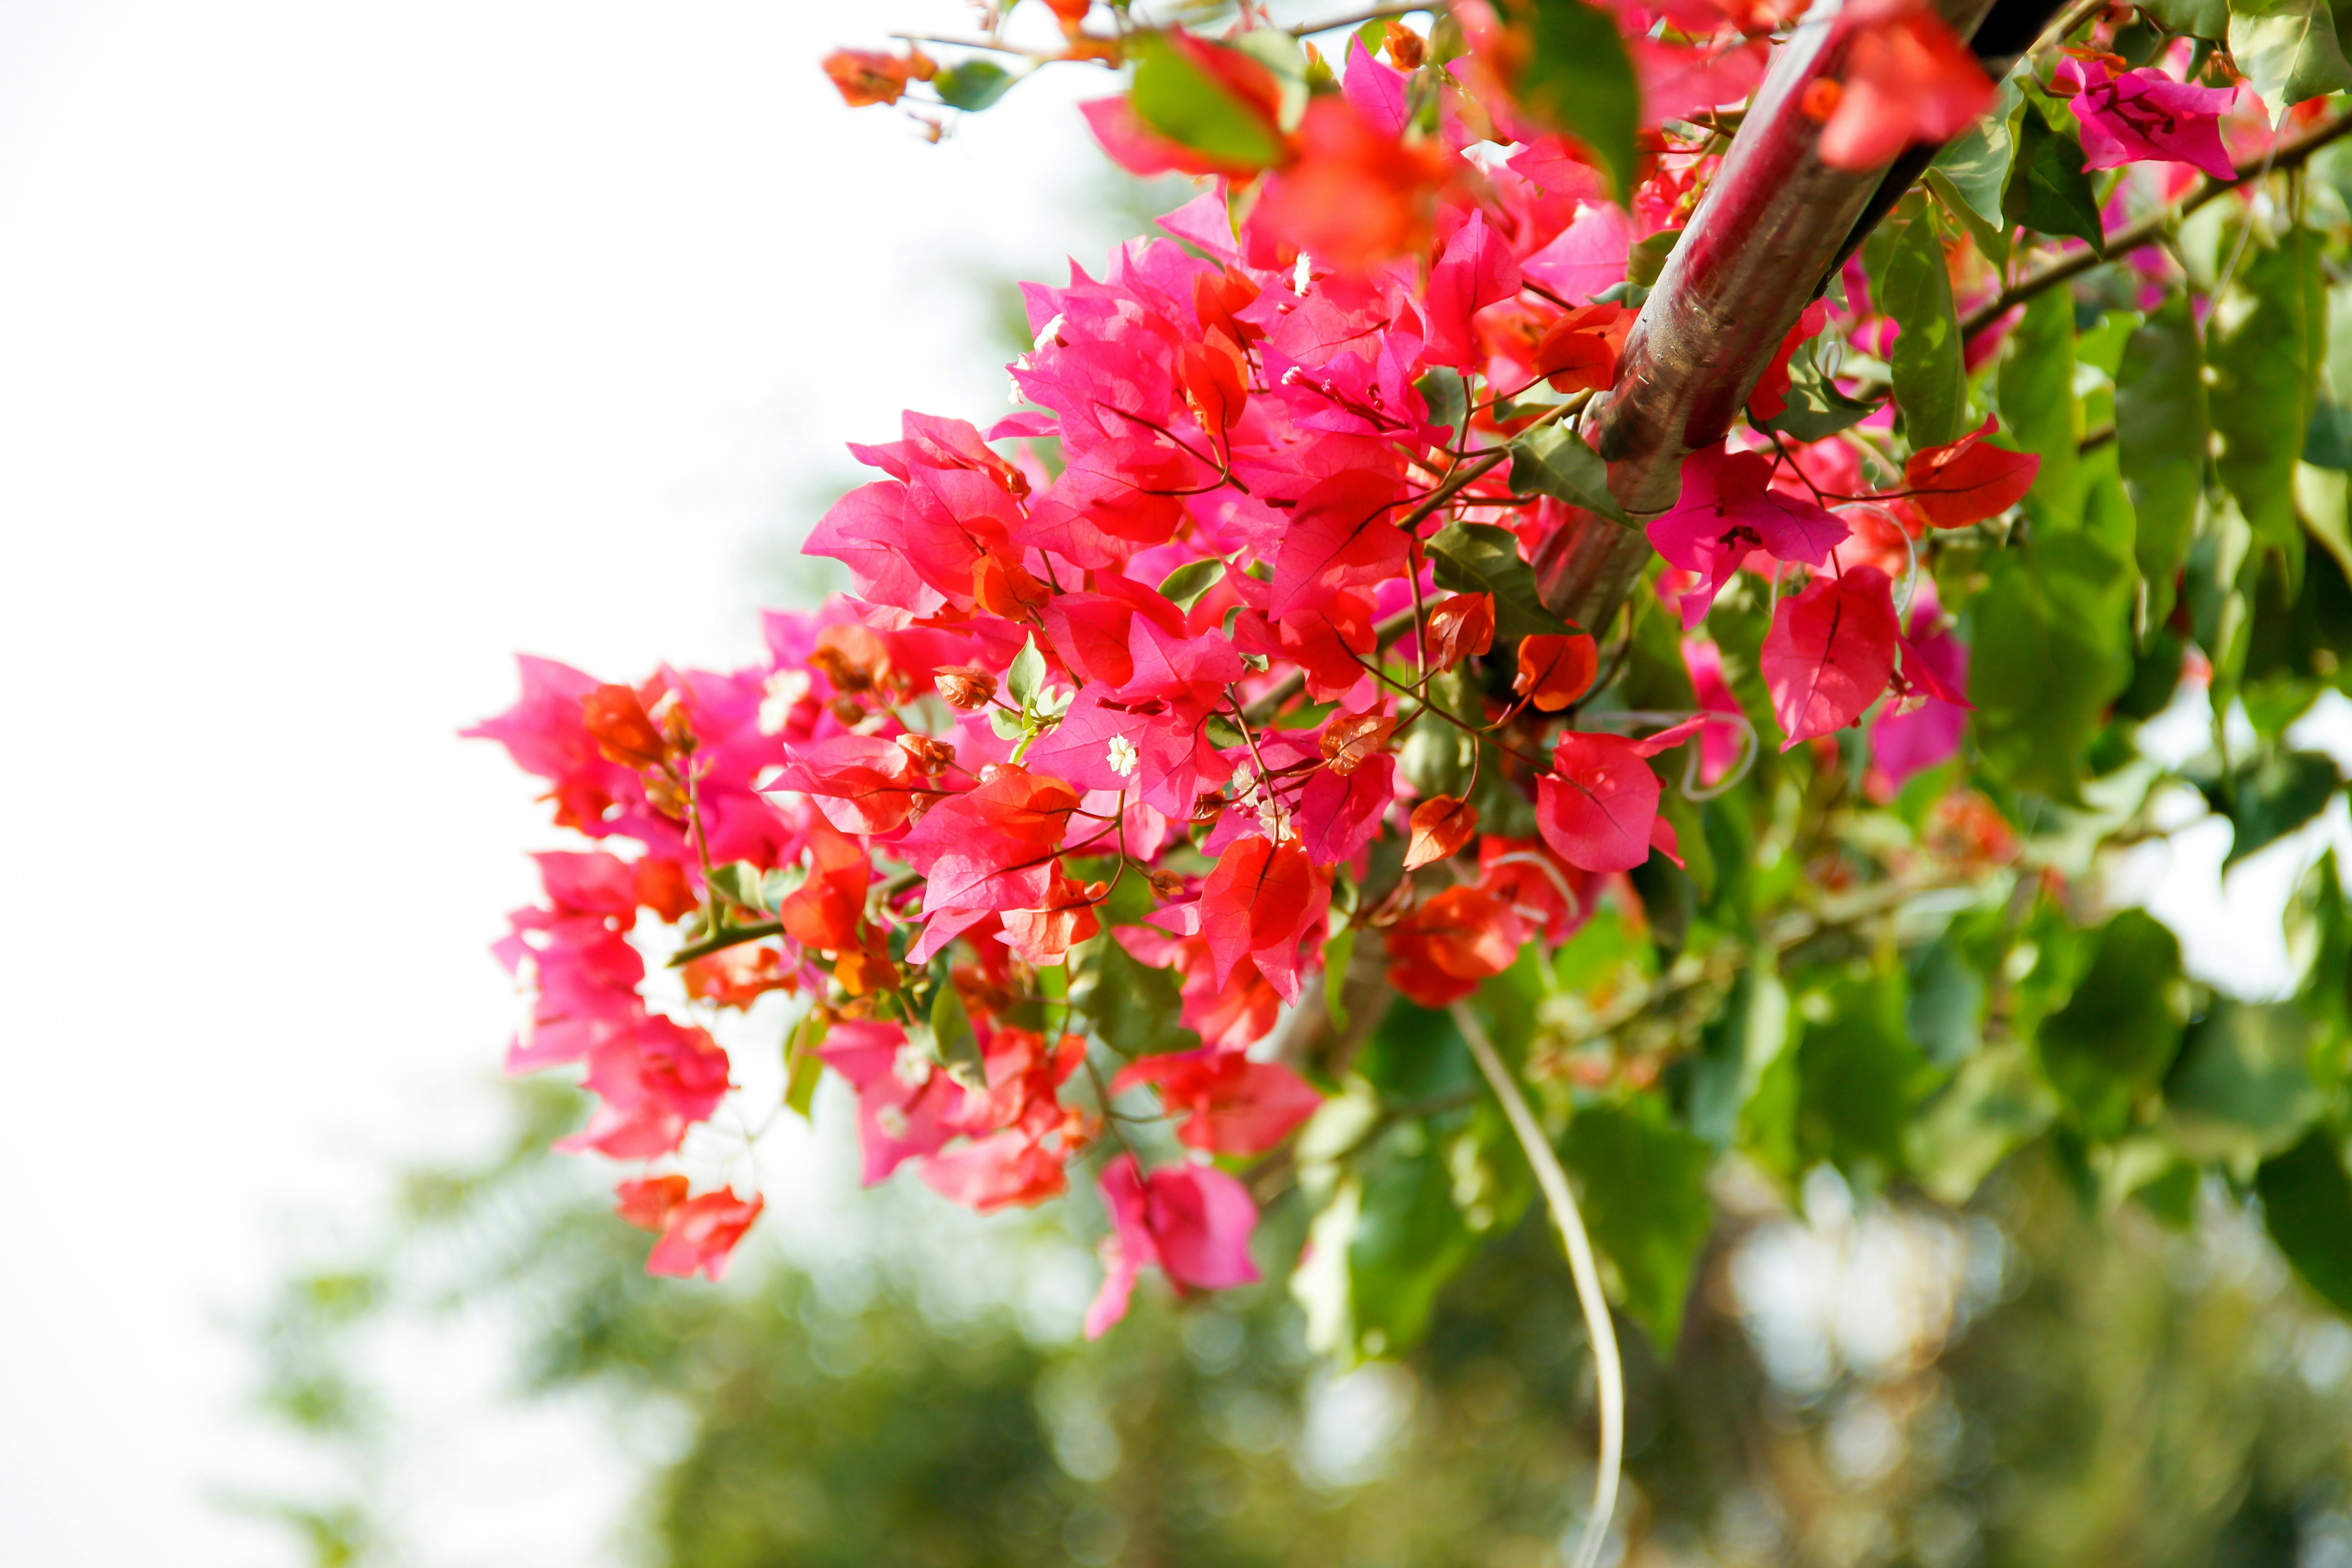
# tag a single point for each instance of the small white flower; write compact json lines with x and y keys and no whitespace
{"x":1012,"y":393}
{"x":911,"y":1066}
{"x":1244,"y":788}
{"x":1049,"y":331}
{"x":891,"y":1121}
{"x":1123,"y":755}
{"x":779,"y":697}
{"x":1302,"y":274}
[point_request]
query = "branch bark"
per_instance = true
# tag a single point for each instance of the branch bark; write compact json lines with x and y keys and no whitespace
{"x":1772,"y":223}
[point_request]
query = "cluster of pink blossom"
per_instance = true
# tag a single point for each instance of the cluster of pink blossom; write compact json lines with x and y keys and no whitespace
{"x":1184,"y":653}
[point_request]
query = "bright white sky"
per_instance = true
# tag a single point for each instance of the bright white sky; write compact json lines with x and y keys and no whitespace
{"x":344,"y":350}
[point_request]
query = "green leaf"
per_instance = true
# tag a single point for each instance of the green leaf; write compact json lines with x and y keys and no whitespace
{"x":2048,"y":191}
{"x":954,"y":1043}
{"x":1945,"y":1012}
{"x":1131,"y":1008}
{"x":2266,"y":344}
{"x":1579,"y":78}
{"x":1184,"y":103}
{"x":1417,"y":1054}
{"x":1990,"y":233}
{"x":1408,"y":1239}
{"x":1733,"y":1051}
{"x":1647,"y":257}
{"x":1997,"y":1102}
{"x":2197,"y":18}
{"x":1814,"y":408}
{"x":1930,"y":387}
{"x":1558,"y":463}
{"x":2038,"y":408}
{"x":1973,"y":169}
{"x":2307,"y":1207}
{"x":1280,"y":52}
{"x":1188,"y":582}
{"x":802,"y":1066}
{"x":973,"y":85}
{"x":2275,"y":795}
{"x":1446,"y":392}
{"x":1480,"y":558}
{"x":2288,"y":51}
{"x":2107,"y":1048}
{"x":1026,"y":674}
{"x":1643,"y":1194}
{"x":2161,"y":440}
{"x":1337,"y":953}
{"x":2242,"y":1088}
{"x":1860,"y":1075}
{"x":2060,"y":605}
{"x":741,"y":884}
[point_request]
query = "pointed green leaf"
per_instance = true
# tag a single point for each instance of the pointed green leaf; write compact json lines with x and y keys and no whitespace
{"x":1131,"y":1007}
{"x":2048,"y":191}
{"x":2288,"y":50}
{"x":1558,"y":463}
{"x":2161,"y":439}
{"x":2039,"y":410}
{"x":2107,"y":1048}
{"x":2197,"y":18}
{"x":1643,"y":1194}
{"x":1480,"y":558}
{"x":953,"y":1044}
{"x":1930,"y":387}
{"x":973,"y":85}
{"x":2272,"y":797}
{"x":1026,"y":674}
{"x":1188,"y":582}
{"x":2062,"y":603}
{"x":2242,"y":1088}
{"x":2307,"y":1207}
{"x":2266,"y":342}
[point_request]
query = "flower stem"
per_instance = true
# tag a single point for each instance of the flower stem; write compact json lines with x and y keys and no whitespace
{"x":1608,"y":1368}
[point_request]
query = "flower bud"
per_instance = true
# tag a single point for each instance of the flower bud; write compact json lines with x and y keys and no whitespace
{"x":961,"y":686}
{"x":930,"y":756}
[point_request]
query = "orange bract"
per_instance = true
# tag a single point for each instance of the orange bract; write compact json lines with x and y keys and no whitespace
{"x":1441,"y":825}
{"x":1554,"y":671}
{"x":1460,"y":627}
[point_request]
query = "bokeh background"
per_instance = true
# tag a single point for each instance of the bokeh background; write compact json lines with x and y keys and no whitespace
{"x":347,"y":348}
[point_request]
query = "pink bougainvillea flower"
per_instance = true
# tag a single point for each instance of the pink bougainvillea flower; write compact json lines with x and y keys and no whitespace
{"x":1719,"y":745}
{"x":2145,"y":114}
{"x":1227,"y":1103}
{"x":702,"y":1233}
{"x":1908,"y":78}
{"x":1193,"y":1222}
{"x":1598,"y":808}
{"x":1727,"y":509}
{"x":1829,"y":652}
{"x":1926,"y":728}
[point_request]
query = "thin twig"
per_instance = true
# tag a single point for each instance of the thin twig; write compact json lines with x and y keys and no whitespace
{"x":2132,"y":236}
{"x":2074,"y":16}
{"x":1608,"y":1367}
{"x":1378,"y":15}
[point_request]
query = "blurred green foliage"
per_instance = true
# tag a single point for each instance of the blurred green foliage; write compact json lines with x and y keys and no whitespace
{"x":2029,"y":1383}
